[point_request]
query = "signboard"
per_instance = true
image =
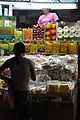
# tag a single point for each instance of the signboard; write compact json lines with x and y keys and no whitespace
{"x":56,"y":1}
{"x":15,"y":0}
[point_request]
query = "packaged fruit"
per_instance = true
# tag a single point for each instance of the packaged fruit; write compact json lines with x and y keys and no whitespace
{"x":72,"y":47}
{"x":50,"y":33}
{"x":48,"y":38}
{"x":60,"y":30}
{"x":56,"y":47}
{"x":63,"y":47}
{"x":77,"y":34}
{"x":71,"y":34}
{"x":49,"y":47}
{"x":60,"y":35}
{"x":27,"y":33}
{"x":66,"y":29}
{"x":0,"y":46}
{"x":33,"y":47}
{"x":10,"y":46}
{"x":27,"y":45}
{"x":1,"y":23}
{"x":38,"y":32}
{"x":10,"y":23}
{"x":54,"y":26}
{"x":4,"y":46}
{"x":66,"y":34}
{"x":18,"y":34}
{"x":72,"y":29}
{"x":53,"y":31}
{"x":41,"y":46}
{"x":48,"y":26}
{"x":47,"y":33}
{"x":53,"y":37}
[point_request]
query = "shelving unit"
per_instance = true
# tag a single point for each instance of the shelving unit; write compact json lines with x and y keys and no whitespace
{"x":7,"y":26}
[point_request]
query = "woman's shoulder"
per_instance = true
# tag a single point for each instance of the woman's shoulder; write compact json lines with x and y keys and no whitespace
{"x":52,"y":14}
{"x":41,"y":16}
{"x":29,"y":60}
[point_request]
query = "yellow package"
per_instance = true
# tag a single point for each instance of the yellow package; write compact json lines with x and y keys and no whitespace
{"x":49,"y":47}
{"x":63,"y":88}
{"x":33,"y":47}
{"x":53,"y":88}
{"x":63,"y":47}
{"x":41,"y":46}
{"x":56,"y":47}
{"x":72,"y":47}
{"x":27,"y":45}
{"x":18,"y":34}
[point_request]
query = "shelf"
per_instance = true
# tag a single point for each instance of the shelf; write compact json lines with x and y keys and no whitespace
{"x":7,"y":16}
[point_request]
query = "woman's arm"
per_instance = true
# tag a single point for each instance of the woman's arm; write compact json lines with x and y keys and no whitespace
{"x":2,"y":68}
{"x":32,"y":70}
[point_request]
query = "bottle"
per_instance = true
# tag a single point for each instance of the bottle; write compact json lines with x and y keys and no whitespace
{"x":5,"y":11}
{"x":10,"y":10}
{"x":0,"y":10}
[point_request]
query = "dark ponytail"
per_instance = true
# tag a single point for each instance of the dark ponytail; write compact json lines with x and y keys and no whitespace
{"x":19,"y":49}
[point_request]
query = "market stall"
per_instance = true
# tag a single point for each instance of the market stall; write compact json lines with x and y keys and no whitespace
{"x":53,"y":94}
{"x":53,"y":48}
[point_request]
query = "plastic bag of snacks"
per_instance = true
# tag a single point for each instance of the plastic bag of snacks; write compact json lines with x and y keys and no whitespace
{"x":63,"y":47}
{"x":72,"y":47}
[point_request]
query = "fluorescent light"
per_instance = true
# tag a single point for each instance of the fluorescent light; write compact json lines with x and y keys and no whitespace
{"x":38,"y":6}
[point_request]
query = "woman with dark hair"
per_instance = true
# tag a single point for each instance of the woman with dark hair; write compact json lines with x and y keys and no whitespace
{"x":21,"y":69}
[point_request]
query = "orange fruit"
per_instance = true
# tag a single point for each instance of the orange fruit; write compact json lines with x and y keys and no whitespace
{"x":54,"y":26}
{"x":53,"y":31}
{"x":47,"y":33}
{"x":47,"y":38}
{"x":48,"y":26}
{"x":54,"y":37}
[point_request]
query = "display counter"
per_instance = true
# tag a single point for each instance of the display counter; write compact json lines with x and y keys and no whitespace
{"x":53,"y":95}
{"x":45,"y":106}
